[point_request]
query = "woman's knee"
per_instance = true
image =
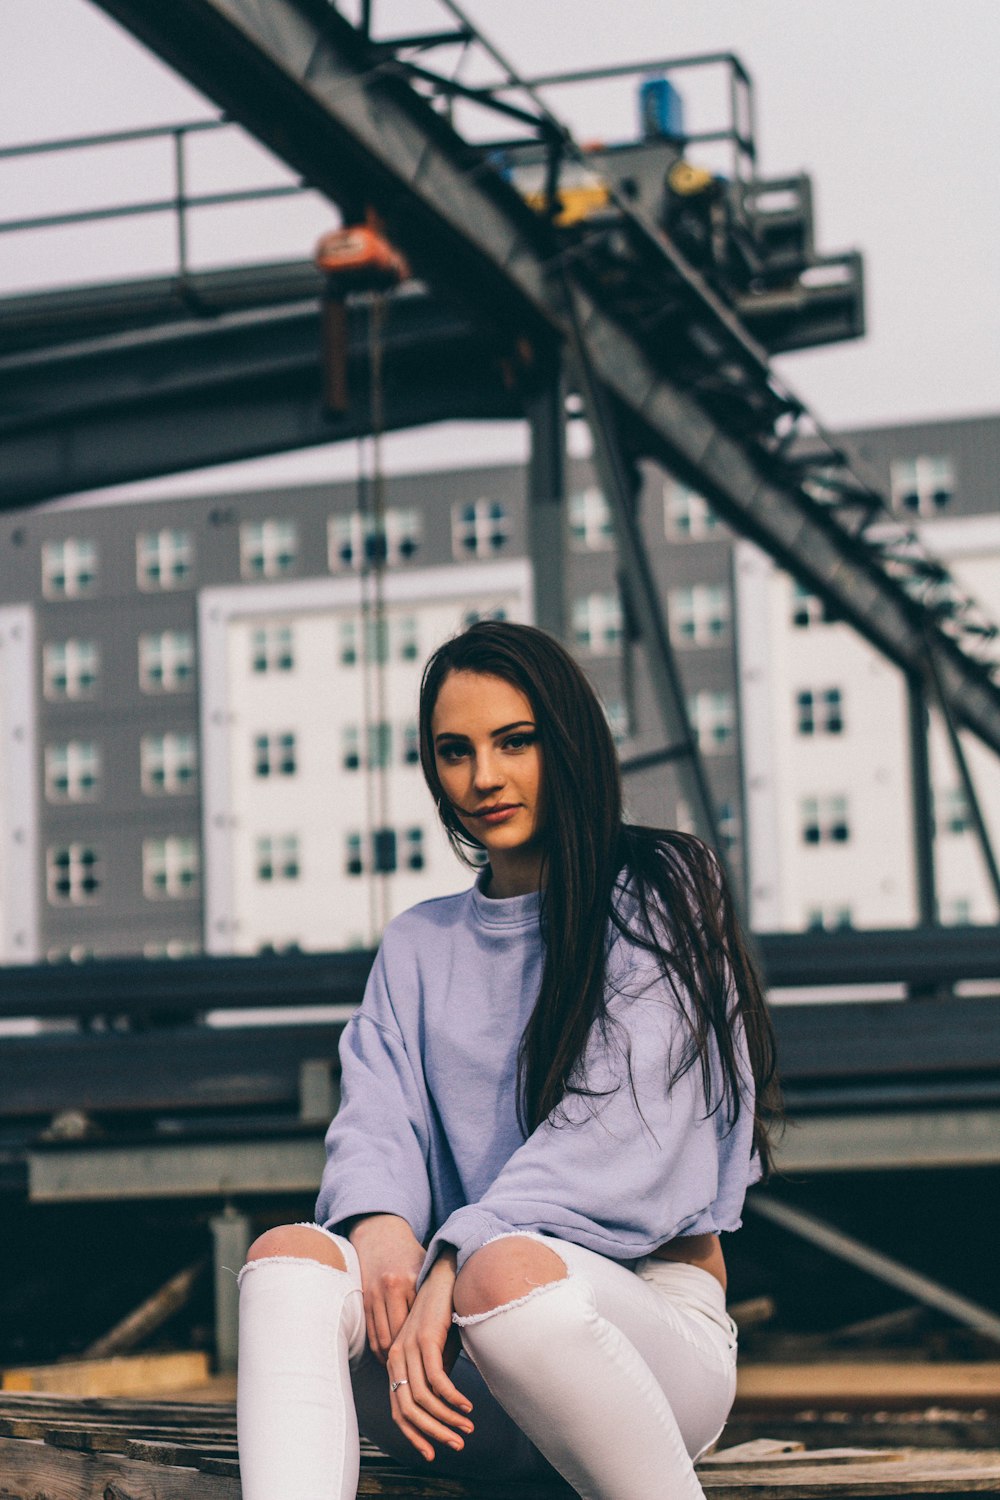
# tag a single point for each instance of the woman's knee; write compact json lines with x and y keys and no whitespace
{"x":300,"y":1241}
{"x":505,"y":1271}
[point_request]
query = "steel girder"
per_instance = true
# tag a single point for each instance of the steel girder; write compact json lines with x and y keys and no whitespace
{"x":297,"y":75}
{"x":146,"y":402}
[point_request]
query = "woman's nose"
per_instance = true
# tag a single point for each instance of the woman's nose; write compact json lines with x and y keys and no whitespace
{"x":487,"y":773}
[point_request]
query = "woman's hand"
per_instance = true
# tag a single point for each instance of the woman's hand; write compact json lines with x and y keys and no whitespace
{"x":391,"y":1257}
{"x":425,"y":1404}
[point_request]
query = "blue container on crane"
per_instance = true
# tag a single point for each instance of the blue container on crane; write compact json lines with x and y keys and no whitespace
{"x":661,"y":109}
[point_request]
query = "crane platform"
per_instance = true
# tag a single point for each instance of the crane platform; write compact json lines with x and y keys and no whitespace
{"x":134,"y":1450}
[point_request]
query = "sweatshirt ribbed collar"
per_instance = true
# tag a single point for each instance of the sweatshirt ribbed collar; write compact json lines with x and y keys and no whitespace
{"x":506,"y":911}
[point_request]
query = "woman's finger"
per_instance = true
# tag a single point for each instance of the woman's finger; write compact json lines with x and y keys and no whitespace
{"x":412,"y":1401}
{"x":383,"y":1333}
{"x":440,"y":1383}
{"x":397,"y":1309}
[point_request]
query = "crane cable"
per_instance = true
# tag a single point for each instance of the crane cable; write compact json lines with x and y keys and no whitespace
{"x":374,"y":645}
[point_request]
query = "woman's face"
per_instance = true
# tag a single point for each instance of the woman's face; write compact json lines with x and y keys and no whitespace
{"x":489,"y":762}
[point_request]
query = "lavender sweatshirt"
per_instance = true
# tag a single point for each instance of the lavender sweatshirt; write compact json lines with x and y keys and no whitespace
{"x":427,"y":1126}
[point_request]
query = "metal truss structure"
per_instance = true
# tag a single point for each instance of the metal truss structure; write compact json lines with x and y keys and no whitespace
{"x":366,"y":122}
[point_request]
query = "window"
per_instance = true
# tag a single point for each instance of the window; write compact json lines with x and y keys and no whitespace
{"x":172,"y":948}
{"x":591,"y":527}
{"x":168,"y":763}
{"x":957,"y":912}
{"x":819,"y":711}
{"x":823,"y":820}
{"x":379,"y":746}
{"x":268,"y":549}
{"x":479,"y":529}
{"x":617,"y":717}
{"x":274,"y":754}
{"x":382,"y":852}
{"x":808,"y":609}
{"x":377,"y":640}
{"x":69,"y":568}
{"x":272,"y":649}
{"x":166,"y":661}
{"x":169,"y":868}
{"x":351,"y":748}
{"x":686,"y":515}
{"x":830,"y":918}
{"x":699,"y":616}
{"x":353,"y":864}
{"x":713,"y":720}
{"x":278,"y":857}
{"x":73,"y":874}
{"x":72,"y":771}
{"x":953,"y":814}
{"x":407,"y":638}
{"x":163,"y":559}
{"x":598,"y":623}
{"x":411,"y":743}
{"x":348,"y":643}
{"x":70,"y":669}
{"x":923,"y":486}
{"x":473,"y":616}
{"x":728,"y":823}
{"x":355,"y":541}
{"x":413,"y":849}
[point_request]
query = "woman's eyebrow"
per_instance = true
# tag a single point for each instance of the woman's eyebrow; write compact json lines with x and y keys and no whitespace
{"x":450,"y":734}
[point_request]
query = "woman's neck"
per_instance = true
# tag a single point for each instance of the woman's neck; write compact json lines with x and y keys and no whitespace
{"x":513,"y":876}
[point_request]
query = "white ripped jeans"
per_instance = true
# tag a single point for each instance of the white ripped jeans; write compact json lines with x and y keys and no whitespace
{"x":618,"y":1379}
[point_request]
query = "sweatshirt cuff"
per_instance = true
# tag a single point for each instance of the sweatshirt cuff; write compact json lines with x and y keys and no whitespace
{"x":466,"y":1230}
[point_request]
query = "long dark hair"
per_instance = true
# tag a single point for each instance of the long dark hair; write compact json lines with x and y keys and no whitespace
{"x":685,"y":914}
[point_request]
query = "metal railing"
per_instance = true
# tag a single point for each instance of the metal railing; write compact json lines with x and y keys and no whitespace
{"x":179,"y":201}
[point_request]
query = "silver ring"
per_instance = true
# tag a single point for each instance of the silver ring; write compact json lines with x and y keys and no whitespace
{"x":395,"y":1384}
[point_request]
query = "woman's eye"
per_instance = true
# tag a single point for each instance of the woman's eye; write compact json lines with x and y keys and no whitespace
{"x":451,"y":753}
{"x":519,"y":741}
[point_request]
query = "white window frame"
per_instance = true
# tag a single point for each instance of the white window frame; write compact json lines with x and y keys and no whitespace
{"x":700,"y":614}
{"x":923,"y":486}
{"x":687,"y":516}
{"x":171,"y":867}
{"x":272,"y":649}
{"x":414,"y":850}
{"x":278,"y":857}
{"x":819,"y":711}
{"x":76,"y":664}
{"x":69,"y":568}
{"x":83,"y":870}
{"x":164,"y":559}
{"x":807,"y":609}
{"x":827,"y":817}
{"x":268,"y":548}
{"x":168,"y":763}
{"x":591,"y":524}
{"x":479,"y":529}
{"x":275,"y":754}
{"x":712,"y":712}
{"x":166,"y":661}
{"x":77,"y":763}
{"x":598,"y":623}
{"x":953,"y":814}
{"x":830,"y":917}
{"x":356,"y":532}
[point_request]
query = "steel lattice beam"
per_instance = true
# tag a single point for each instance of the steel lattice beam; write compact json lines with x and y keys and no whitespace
{"x":297,"y":75}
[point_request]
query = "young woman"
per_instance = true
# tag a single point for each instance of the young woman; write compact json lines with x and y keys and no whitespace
{"x":553,"y":1100}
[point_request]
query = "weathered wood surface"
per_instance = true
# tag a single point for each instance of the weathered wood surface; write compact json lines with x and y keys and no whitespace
{"x":869,"y":1383}
{"x":94,"y":1449}
{"x":121,"y":1375}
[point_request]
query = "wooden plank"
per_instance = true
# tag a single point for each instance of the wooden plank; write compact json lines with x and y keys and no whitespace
{"x":112,"y":1377}
{"x":880,"y":1384}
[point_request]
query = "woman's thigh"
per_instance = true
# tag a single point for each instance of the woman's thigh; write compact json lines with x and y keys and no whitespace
{"x":675,"y":1316}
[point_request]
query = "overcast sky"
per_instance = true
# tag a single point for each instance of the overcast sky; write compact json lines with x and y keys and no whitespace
{"x":891,"y":106}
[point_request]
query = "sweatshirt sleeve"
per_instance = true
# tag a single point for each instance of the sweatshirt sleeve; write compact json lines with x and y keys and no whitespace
{"x":620,"y":1173}
{"x":377,"y":1144}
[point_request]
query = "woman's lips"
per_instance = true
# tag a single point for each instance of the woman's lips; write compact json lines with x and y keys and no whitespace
{"x":498,"y":814}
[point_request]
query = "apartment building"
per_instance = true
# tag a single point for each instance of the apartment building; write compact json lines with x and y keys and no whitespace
{"x":208,"y":736}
